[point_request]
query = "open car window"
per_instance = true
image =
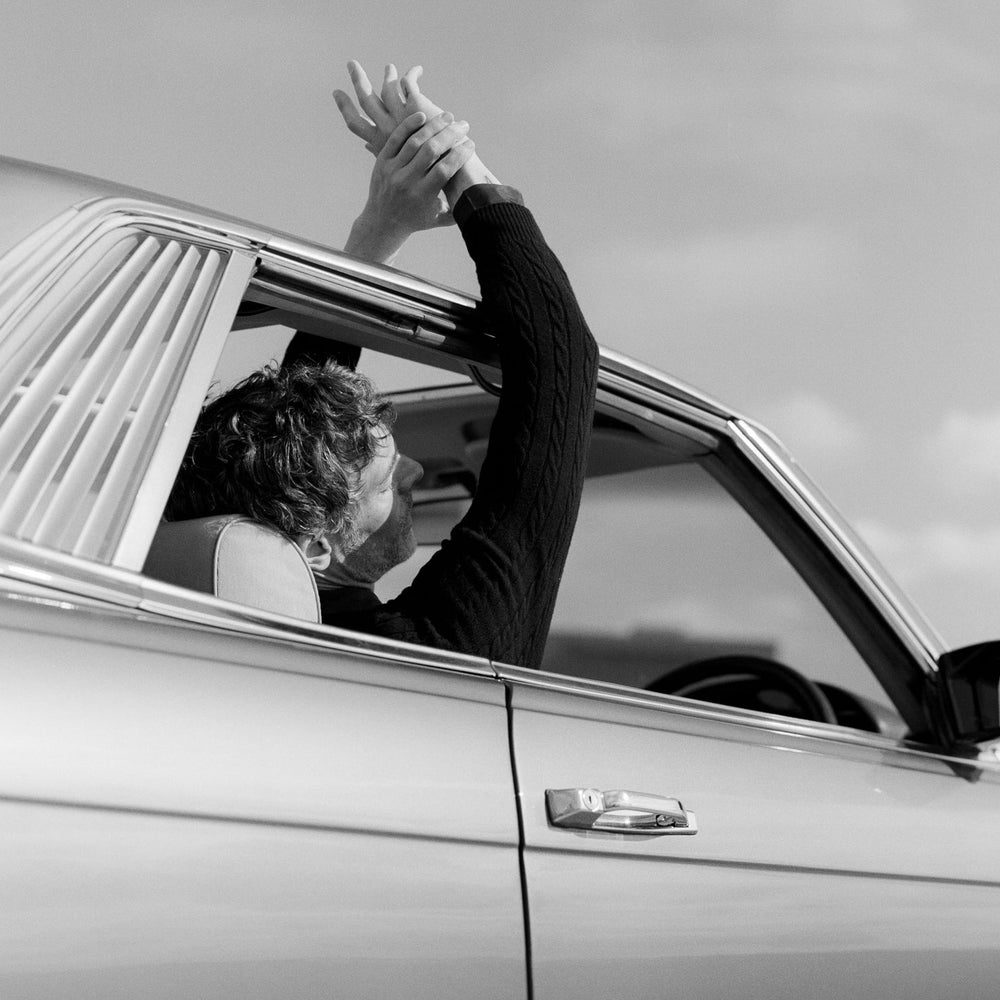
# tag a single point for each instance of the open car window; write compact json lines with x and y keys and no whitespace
{"x":667,"y":569}
{"x":678,"y":557}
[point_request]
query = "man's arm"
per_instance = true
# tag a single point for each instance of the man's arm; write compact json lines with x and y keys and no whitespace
{"x":490,"y":589}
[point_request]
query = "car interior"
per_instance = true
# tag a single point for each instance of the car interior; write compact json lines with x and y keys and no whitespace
{"x":671,"y":587}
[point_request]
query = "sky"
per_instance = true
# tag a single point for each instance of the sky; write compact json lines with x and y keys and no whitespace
{"x":792,"y":205}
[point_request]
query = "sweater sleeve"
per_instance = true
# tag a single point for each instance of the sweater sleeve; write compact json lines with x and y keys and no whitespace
{"x":491,"y":588}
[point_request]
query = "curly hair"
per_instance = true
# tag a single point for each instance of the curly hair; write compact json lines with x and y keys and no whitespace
{"x":286,"y":446}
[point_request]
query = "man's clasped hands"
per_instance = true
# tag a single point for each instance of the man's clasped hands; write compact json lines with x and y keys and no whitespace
{"x":424,"y":160}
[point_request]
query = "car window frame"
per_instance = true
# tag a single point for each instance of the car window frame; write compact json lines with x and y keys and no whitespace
{"x":824,"y":561}
{"x":886,"y":636}
{"x":310,"y":287}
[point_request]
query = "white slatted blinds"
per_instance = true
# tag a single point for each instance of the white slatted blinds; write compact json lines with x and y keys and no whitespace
{"x":89,"y":367}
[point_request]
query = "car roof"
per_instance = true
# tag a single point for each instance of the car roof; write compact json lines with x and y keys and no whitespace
{"x":33,"y":195}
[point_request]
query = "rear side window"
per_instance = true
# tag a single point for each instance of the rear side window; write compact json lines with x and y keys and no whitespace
{"x":92,"y":358}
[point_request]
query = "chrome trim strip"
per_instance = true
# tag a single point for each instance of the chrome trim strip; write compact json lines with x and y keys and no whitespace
{"x":20,"y":591}
{"x":57,"y":571}
{"x":193,"y":224}
{"x":281,"y":248}
{"x":202,"y":610}
{"x":27,"y":568}
{"x":660,"y":403}
{"x":809,"y":503}
{"x":696,"y":431}
{"x":454,"y":390}
{"x":444,"y":310}
{"x":377,"y":303}
{"x":644,"y":376}
{"x":380,"y":295}
{"x":746,"y":718}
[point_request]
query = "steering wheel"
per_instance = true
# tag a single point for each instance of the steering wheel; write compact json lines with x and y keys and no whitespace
{"x":748,"y":682}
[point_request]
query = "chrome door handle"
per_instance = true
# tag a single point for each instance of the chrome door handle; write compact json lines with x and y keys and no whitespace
{"x":618,"y":812}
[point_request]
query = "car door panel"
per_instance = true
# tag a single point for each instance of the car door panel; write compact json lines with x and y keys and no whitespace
{"x":705,"y":930}
{"x":190,"y":807}
{"x":119,"y":904}
{"x":824,"y":852}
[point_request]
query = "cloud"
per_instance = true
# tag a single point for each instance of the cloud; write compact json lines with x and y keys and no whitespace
{"x":935,"y":550}
{"x":727,"y":271}
{"x":791,"y":91}
{"x":964,"y":453}
{"x":751,"y":263}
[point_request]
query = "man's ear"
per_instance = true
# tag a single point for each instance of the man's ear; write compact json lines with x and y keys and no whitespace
{"x":317,"y":552}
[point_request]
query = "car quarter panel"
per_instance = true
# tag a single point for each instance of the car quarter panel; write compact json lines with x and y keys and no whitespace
{"x":189,"y":811}
{"x":824,"y":864}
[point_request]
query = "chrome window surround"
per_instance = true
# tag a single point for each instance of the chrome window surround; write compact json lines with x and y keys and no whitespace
{"x":649,"y":400}
{"x":652,"y":398}
{"x":764,"y":451}
{"x":404,"y":315}
{"x":739,"y":725}
{"x":406,"y":318}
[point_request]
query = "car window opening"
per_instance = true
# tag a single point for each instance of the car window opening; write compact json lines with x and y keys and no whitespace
{"x":666,"y":568}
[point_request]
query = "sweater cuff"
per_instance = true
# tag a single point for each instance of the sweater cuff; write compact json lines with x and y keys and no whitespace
{"x":480,"y":195}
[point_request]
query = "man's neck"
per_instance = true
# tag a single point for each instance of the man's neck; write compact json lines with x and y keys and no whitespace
{"x":324,"y":582}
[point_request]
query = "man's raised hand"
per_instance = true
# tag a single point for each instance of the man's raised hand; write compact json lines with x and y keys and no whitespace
{"x":419,"y":157}
{"x":375,"y":116}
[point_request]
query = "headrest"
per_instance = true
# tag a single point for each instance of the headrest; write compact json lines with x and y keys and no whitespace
{"x":238,"y":560}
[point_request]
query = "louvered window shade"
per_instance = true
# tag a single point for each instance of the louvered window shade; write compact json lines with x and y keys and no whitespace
{"x":89,"y":368}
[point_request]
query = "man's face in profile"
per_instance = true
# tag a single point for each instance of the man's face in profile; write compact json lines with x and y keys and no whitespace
{"x":381,"y":534}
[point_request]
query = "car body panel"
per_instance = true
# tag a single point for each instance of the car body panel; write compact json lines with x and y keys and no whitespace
{"x":125,"y":904}
{"x":210,"y":810}
{"x":813,"y":857}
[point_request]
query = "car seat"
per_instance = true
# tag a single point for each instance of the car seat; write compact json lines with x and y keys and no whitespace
{"x":236,"y":559}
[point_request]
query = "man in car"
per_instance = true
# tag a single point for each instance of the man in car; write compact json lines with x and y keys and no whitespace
{"x":309,"y":448}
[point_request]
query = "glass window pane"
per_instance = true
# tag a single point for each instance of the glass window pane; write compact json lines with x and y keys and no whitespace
{"x":666,"y":568}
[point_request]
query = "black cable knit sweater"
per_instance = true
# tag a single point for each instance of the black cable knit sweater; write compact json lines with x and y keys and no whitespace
{"x":491,"y":588}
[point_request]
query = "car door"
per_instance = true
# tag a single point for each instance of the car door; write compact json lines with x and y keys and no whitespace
{"x":226,"y":810}
{"x":824,"y":864}
{"x":822,"y":859}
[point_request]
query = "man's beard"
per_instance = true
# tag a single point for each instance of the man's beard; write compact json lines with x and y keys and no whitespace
{"x":380,"y":552}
